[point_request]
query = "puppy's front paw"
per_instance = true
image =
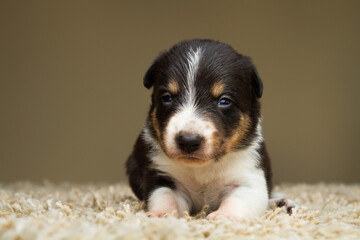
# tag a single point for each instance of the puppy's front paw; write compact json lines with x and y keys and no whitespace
{"x":234,"y":208}
{"x":223,"y":213}
{"x":162,"y":202}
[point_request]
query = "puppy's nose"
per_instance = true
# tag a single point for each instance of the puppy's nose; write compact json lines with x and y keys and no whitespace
{"x":188,"y":143}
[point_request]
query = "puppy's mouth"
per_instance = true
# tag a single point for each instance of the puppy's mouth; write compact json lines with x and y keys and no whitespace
{"x":191,"y":160}
{"x":191,"y":157}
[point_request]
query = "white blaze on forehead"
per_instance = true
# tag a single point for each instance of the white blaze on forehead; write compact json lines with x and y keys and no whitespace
{"x":193,"y":58}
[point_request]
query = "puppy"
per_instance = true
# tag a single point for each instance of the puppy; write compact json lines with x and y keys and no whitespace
{"x":202,"y":143}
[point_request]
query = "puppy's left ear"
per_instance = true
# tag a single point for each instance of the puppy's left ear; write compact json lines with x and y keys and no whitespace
{"x":257,"y":83}
{"x":150,"y":74}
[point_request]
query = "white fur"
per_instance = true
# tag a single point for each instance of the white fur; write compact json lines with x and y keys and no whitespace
{"x":193,"y":58}
{"x":188,"y":120}
{"x":146,"y":135}
{"x":237,"y":175}
{"x":166,"y":200}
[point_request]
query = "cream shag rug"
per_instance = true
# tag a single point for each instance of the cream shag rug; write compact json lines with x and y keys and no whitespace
{"x":71,"y":211}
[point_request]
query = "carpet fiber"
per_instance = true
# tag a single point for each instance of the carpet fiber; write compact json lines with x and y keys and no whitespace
{"x":95,"y":211}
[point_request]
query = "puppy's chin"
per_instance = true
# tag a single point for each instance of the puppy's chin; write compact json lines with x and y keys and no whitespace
{"x":192,"y":161}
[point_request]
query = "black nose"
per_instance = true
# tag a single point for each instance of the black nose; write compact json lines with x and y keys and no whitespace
{"x":189,"y":144}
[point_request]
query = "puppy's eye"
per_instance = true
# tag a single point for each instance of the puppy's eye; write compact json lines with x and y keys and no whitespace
{"x":166,"y":99}
{"x":224,"y":102}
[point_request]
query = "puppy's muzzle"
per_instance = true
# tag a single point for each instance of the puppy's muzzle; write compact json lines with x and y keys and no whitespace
{"x":188,"y":143}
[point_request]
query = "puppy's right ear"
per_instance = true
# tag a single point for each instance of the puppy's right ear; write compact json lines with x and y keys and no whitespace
{"x":153,"y":72}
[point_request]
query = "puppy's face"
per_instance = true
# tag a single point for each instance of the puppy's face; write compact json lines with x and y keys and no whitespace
{"x":204,"y":102}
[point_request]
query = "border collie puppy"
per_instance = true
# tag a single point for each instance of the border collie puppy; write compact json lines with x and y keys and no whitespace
{"x":202,"y":143}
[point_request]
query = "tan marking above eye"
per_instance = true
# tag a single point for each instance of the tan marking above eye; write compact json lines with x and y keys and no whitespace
{"x":217,"y":89}
{"x":173,"y":87}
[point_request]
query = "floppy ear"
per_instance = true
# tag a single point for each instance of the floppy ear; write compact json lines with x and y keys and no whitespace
{"x":149,"y":77}
{"x":257,"y":83}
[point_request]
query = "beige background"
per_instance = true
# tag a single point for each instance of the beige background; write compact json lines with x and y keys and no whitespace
{"x":72,"y":100}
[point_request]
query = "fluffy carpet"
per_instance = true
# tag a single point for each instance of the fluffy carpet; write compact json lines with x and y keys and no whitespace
{"x":100,"y":211}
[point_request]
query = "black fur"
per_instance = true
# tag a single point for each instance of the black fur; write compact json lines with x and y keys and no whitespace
{"x":218,"y":62}
{"x":143,"y":179}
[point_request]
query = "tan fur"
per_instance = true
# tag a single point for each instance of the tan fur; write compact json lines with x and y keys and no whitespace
{"x":174,"y":87}
{"x":217,"y":89}
{"x":239,"y":133}
{"x":216,"y":141}
{"x":155,"y":123}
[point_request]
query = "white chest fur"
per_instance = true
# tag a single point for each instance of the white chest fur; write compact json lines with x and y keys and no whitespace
{"x":210,"y":184}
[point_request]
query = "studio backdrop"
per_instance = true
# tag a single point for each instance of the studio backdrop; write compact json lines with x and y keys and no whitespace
{"x":72,"y":100}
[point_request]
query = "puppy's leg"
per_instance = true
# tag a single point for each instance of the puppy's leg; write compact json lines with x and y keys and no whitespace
{"x":241,"y":204}
{"x":249,"y":200}
{"x":165,"y":200}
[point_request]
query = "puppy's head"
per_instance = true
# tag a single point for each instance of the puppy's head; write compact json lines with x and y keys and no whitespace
{"x":204,"y":102}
